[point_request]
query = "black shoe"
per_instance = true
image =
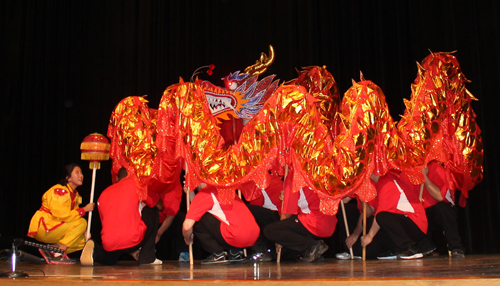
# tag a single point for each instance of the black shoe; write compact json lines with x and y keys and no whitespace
{"x":314,"y":252}
{"x":236,"y":257}
{"x":457,"y":253}
{"x":215,"y":258}
{"x":388,"y":255}
{"x":427,"y":251}
{"x":261,"y":257}
{"x":410,"y":253}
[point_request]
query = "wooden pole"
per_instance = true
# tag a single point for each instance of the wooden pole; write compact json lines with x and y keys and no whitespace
{"x":92,"y":188}
{"x":278,"y":258}
{"x":420,"y":196}
{"x":191,"y":262}
{"x":244,"y":249}
{"x":346,"y":226}
{"x":364,"y":229}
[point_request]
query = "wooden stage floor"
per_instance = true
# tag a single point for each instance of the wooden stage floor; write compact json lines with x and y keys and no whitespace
{"x":434,"y":270}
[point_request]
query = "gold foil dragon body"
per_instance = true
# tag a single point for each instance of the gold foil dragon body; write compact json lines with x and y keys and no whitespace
{"x":332,"y":145}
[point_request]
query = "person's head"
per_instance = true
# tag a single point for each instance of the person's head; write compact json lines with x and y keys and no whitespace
{"x":72,"y":175}
{"x":122,"y":173}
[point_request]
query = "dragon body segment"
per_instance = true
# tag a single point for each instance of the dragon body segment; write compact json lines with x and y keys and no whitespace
{"x":332,"y":145}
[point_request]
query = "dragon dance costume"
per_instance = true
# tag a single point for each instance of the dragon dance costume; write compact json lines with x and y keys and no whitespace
{"x":125,"y":228}
{"x":442,"y":216}
{"x":59,"y":219}
{"x":332,"y":144}
{"x":400,"y":213}
{"x":219,"y":226}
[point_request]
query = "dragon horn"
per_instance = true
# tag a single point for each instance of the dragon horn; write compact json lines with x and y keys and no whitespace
{"x":261,"y":64}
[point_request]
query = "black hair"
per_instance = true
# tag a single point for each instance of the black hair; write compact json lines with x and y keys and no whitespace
{"x":67,"y":170}
{"x":122,"y":173}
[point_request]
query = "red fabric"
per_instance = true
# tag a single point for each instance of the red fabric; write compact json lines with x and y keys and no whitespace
{"x":242,"y":230}
{"x":60,"y":192}
{"x":315,"y":221}
{"x":230,"y":130}
{"x":388,"y":197}
{"x":273,"y":191}
{"x":373,"y":203}
{"x":437,"y":175}
{"x":171,"y":204}
{"x":158,"y":189}
{"x":122,"y":226}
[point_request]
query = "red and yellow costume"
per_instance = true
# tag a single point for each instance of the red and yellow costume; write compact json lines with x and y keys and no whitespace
{"x":332,"y":144}
{"x":59,"y":219}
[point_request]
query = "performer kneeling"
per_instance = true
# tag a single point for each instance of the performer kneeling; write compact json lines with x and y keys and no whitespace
{"x":439,"y":204}
{"x":266,"y":209}
{"x":380,"y":248}
{"x":222,"y":229}
{"x":401,"y":215}
{"x":59,"y":220}
{"x":302,"y":225}
{"x":128,"y":226}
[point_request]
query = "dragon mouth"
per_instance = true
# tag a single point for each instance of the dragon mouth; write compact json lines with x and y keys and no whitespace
{"x":219,"y":100}
{"x":219,"y":103}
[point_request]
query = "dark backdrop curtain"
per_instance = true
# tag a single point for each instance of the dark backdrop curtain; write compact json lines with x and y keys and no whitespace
{"x":66,"y":64}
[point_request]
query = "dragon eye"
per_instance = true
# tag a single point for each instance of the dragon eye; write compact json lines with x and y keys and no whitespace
{"x":232,"y":85}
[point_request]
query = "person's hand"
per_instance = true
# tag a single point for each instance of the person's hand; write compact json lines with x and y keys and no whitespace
{"x":366,"y":239}
{"x":157,"y":238}
{"x":89,"y":207}
{"x":278,"y":247}
{"x":285,"y":216}
{"x":189,"y":240}
{"x":282,"y":195}
{"x":351,"y":240}
{"x":87,"y":237}
{"x":425,"y":171}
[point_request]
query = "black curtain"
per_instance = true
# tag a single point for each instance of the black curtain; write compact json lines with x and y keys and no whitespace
{"x":66,"y":64}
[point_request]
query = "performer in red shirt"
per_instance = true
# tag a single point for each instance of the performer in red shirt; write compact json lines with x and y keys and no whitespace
{"x":302,"y":225}
{"x":266,"y":209}
{"x":170,"y":207}
{"x":380,"y":248}
{"x":401,"y":215}
{"x":439,"y":204}
{"x":127,"y":226}
{"x":220,"y":227}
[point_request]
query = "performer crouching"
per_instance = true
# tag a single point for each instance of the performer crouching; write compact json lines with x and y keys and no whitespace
{"x":222,"y":229}
{"x":302,"y":224}
{"x":266,"y":209}
{"x":401,"y":215}
{"x":439,"y":204}
{"x":381,"y":246}
{"x":59,"y":220}
{"x":128,"y":226}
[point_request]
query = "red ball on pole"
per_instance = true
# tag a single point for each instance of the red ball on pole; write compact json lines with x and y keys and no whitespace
{"x":95,"y":148}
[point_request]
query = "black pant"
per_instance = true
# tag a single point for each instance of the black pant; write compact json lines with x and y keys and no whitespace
{"x":147,"y":255}
{"x":291,"y":234}
{"x":380,"y":243}
{"x":403,"y":232}
{"x":171,"y":243}
{"x":207,"y":230}
{"x":443,"y":217}
{"x":263,"y":217}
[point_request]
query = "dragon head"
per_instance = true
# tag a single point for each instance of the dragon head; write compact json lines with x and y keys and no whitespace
{"x":243,"y":95}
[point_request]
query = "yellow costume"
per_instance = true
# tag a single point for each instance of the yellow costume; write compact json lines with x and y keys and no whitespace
{"x":59,"y":219}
